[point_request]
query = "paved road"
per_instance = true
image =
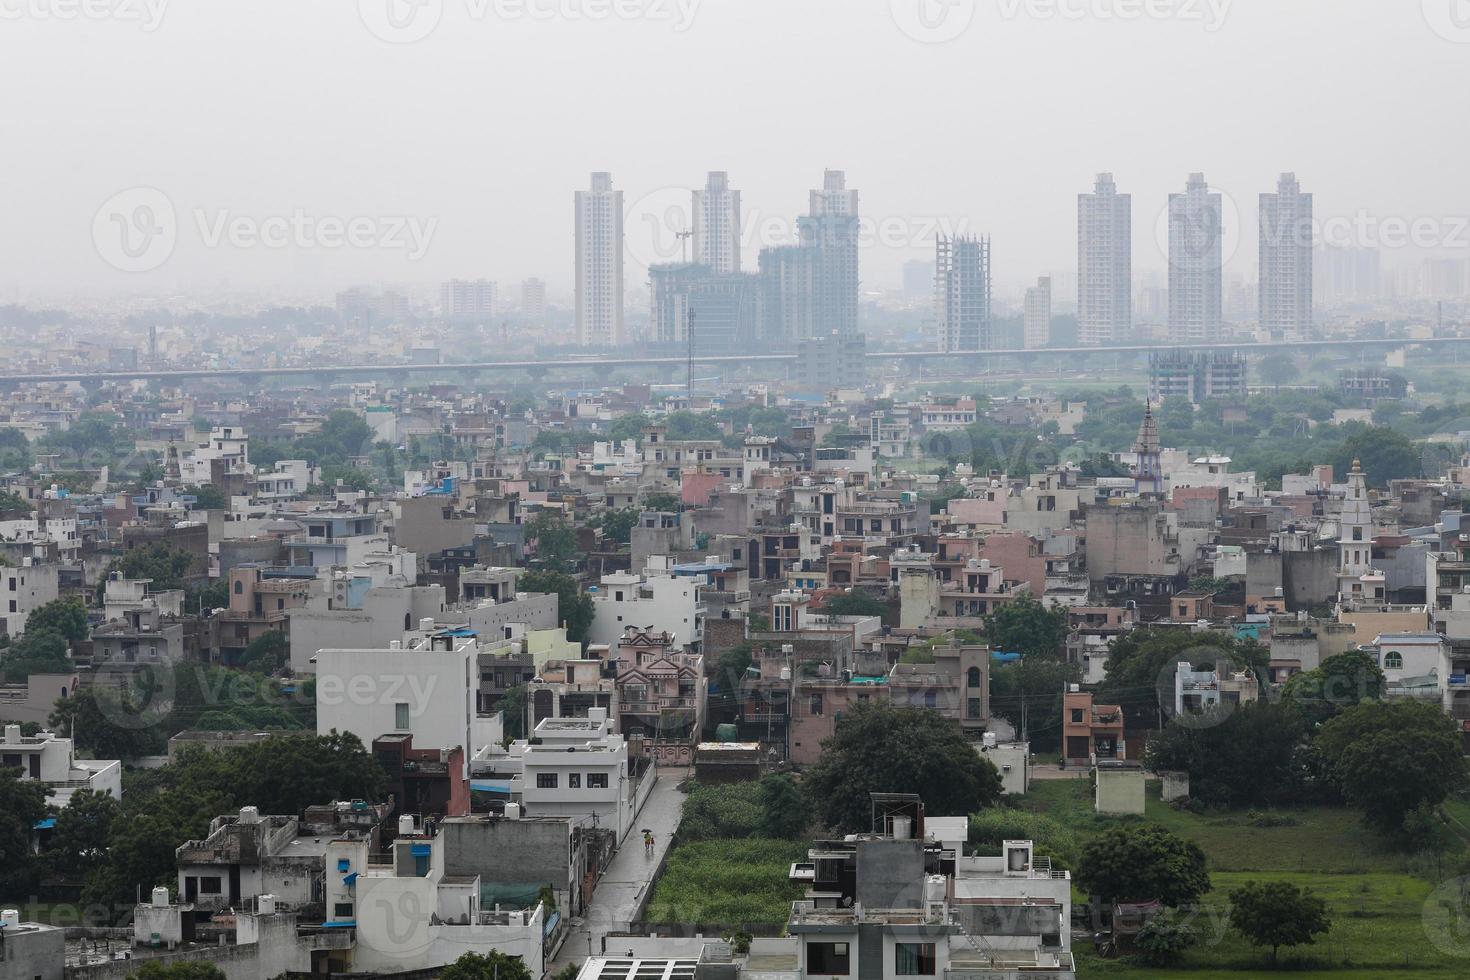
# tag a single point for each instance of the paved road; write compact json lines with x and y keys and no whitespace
{"x":618,"y":894}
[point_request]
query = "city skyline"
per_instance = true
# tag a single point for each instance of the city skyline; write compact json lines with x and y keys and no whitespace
{"x":497,"y":188}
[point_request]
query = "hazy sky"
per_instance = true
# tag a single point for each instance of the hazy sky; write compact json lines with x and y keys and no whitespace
{"x":461,"y":150}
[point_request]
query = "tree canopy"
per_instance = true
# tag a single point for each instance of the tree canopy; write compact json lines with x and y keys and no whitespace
{"x":574,"y":607}
{"x":1141,"y":863}
{"x":1026,"y":626}
{"x":883,"y":748}
{"x":1276,"y":914}
{"x":493,"y":965}
{"x":1393,"y":757}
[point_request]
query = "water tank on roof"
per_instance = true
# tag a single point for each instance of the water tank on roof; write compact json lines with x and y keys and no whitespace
{"x":405,"y":824}
{"x":727,"y":733}
{"x":160,"y":897}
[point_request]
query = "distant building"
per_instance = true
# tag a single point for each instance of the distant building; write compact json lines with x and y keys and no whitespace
{"x":1285,"y":284}
{"x":830,"y":229}
{"x":1036,"y":329}
{"x":467,"y":301}
{"x":599,"y":270}
{"x":1104,"y":264}
{"x":533,"y":298}
{"x":1195,"y":263}
{"x":721,"y":310}
{"x":962,"y":293}
{"x":1197,"y":376}
{"x":828,"y":363}
{"x":717,"y":225}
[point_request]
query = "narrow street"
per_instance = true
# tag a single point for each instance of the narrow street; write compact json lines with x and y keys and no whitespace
{"x":615,"y":902}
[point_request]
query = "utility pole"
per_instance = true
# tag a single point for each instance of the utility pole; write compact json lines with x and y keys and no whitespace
{"x":689,"y":330}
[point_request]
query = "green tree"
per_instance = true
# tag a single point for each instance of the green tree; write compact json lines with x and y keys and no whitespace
{"x":854,"y":603}
{"x":83,"y":827}
{"x":1164,"y":939}
{"x":1028,"y":694}
{"x":666,"y":503}
{"x":1337,"y":683}
{"x":66,"y":617}
{"x":1246,"y":757}
{"x":513,"y":706}
{"x":12,"y":505}
{"x":113,"y":724}
{"x":554,"y":539}
{"x":493,"y":965}
{"x":1027,"y":627}
{"x":187,"y":970}
{"x":573,"y":605}
{"x":785,"y":812}
{"x":617,"y":525}
{"x":38,"y":652}
{"x":22,"y":803}
{"x":267,"y":653}
{"x":166,"y":566}
{"x":1141,"y":666}
{"x":1142,"y":863}
{"x":1276,"y":914}
{"x":1393,"y":757}
{"x":881,"y":748}
{"x":1386,"y":454}
{"x":208,"y":497}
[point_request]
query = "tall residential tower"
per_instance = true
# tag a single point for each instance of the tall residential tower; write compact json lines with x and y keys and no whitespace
{"x":1195,"y":263}
{"x":1286,"y":261}
{"x":599,"y":276}
{"x":717,"y":225}
{"x":1104,"y":264}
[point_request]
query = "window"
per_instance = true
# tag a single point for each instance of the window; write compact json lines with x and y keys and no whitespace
{"x":209,"y":885}
{"x":827,"y":958}
{"x":546,"y":780}
{"x":914,"y":959}
{"x":973,"y":677}
{"x":239,"y":587}
{"x":972,"y":708}
{"x":342,"y":910}
{"x":400,"y":716}
{"x":597,"y":780}
{"x":574,"y":780}
{"x":816,"y":704}
{"x":1393,"y":660}
{"x":1076,"y":716}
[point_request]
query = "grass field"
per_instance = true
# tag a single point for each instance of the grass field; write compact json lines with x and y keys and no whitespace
{"x":1377,"y":904}
{"x":728,"y":882}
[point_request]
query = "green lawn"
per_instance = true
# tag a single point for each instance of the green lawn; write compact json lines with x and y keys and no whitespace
{"x":728,"y":882}
{"x":1377,"y":905}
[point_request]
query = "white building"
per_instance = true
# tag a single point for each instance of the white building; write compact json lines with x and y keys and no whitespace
{"x":228,"y":447}
{"x":1286,"y":261}
{"x":1104,"y":264}
{"x":409,"y":915}
{"x":1036,"y":320}
{"x":578,"y":768}
{"x":50,"y":759}
{"x":656,"y":600}
{"x":424,"y":685}
{"x":717,"y":224}
{"x":27,"y":587}
{"x":599,"y":272}
{"x":1195,"y":263}
{"x":1356,"y":581}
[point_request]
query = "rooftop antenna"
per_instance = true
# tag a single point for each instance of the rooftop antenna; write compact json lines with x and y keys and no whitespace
{"x":684,"y":237}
